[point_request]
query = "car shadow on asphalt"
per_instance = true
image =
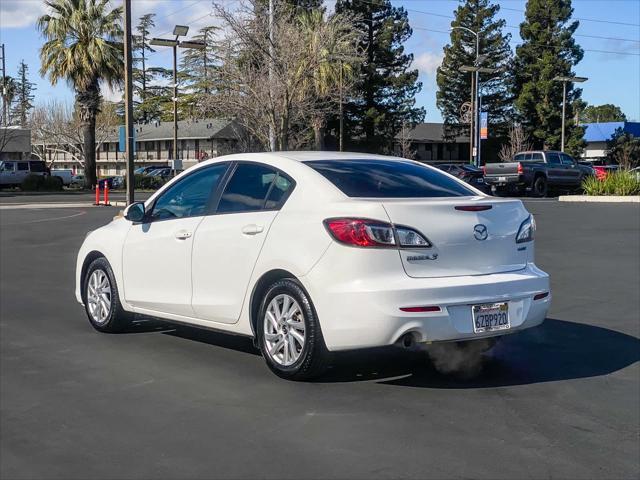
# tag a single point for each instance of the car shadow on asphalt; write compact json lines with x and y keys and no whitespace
{"x":557,"y":350}
{"x":144,"y":324}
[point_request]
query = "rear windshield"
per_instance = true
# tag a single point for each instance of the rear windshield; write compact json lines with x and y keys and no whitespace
{"x":388,"y":179}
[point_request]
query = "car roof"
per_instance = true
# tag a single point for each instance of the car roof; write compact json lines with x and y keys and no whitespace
{"x":304,"y":156}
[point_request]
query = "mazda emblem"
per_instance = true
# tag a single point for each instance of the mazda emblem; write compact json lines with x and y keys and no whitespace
{"x":480,"y":232}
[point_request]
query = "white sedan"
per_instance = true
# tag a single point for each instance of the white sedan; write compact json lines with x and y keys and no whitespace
{"x":315,"y":252}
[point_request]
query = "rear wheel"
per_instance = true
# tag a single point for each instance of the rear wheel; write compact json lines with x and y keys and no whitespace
{"x":539,"y":187}
{"x":289,"y":334}
{"x":101,"y":299}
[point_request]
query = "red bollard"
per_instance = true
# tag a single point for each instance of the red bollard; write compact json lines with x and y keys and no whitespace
{"x":97,"y":194}
{"x":106,"y":194}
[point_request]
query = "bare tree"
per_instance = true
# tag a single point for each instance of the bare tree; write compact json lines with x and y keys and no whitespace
{"x":294,"y":98}
{"x":518,"y":142}
{"x":57,"y":128}
{"x":405,"y":143}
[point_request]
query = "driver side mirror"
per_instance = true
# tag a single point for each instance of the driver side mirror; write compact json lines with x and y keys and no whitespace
{"x":135,"y":212}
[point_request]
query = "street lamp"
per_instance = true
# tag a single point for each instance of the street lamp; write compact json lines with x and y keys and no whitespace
{"x":564,"y":81}
{"x":178,"y":31}
{"x":474,"y":89}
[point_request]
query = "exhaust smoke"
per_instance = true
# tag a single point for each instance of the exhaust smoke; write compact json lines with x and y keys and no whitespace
{"x":463,"y":359}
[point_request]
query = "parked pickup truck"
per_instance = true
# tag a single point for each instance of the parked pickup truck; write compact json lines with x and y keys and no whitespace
{"x":535,"y":172}
{"x":65,"y":176}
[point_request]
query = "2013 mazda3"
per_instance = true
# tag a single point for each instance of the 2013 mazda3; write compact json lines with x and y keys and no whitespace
{"x":314,"y":252}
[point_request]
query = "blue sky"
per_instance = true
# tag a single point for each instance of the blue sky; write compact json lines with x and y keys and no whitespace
{"x":613,"y":77}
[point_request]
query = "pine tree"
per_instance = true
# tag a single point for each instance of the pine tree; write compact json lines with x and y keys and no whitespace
{"x":454,"y":86}
{"x":198,"y":67}
{"x":23,"y":101}
{"x":548,"y":51}
{"x":149,"y":98}
{"x":385,"y":87}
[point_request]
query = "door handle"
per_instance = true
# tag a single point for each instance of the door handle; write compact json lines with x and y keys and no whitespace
{"x":252,"y":229}
{"x":182,"y":235}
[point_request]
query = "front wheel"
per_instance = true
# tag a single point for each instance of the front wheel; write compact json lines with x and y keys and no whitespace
{"x":101,"y":299}
{"x":289,"y":333}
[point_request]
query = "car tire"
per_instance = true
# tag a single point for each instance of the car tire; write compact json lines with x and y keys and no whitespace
{"x":540,"y":187}
{"x":286,"y":316}
{"x":101,"y":300}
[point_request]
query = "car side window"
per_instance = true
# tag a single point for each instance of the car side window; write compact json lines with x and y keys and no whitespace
{"x":553,"y":158}
{"x":281,"y":187}
{"x":38,"y":167}
{"x":23,"y":166}
{"x":8,"y":166}
{"x":247,"y":188}
{"x":536,"y":157}
{"x":566,"y":159}
{"x":190,"y":196}
{"x":519,"y":157}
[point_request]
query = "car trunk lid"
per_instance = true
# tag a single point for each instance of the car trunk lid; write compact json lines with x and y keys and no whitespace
{"x":470,"y":235}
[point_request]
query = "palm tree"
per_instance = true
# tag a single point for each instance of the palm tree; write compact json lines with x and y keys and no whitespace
{"x":8,"y":89}
{"x":84,"y":47}
{"x":332,"y":46}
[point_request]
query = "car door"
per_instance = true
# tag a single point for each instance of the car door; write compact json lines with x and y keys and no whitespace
{"x":226,"y":245}
{"x":555,"y":170}
{"x":22,"y":170}
{"x":572,"y":174}
{"x":156,"y":257}
{"x":8,"y":173}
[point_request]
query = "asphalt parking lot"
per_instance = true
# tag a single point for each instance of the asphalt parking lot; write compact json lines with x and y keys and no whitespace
{"x":559,"y":401}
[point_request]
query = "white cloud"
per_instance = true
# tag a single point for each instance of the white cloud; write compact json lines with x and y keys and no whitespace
{"x":427,"y":63}
{"x":20,"y":13}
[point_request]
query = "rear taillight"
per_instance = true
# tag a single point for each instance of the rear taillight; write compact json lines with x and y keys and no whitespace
{"x":362,"y":232}
{"x":520,"y":170}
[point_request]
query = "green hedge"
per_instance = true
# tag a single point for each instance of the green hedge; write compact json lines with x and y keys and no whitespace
{"x":620,"y":182}
{"x":40,"y":183}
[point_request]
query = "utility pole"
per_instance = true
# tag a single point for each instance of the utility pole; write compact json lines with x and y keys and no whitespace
{"x":472,"y":137}
{"x":5,"y":111}
{"x":272,"y":133}
{"x":128,"y":101}
{"x":341,"y":147}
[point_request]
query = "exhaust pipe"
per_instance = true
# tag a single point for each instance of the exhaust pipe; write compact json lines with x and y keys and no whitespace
{"x":408,"y":341}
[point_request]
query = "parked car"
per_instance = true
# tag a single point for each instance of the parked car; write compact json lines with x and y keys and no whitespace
{"x":145,"y":170}
{"x":65,"y":175}
{"x":536,"y":172}
{"x":316,"y":252}
{"x":601,"y":171}
{"x":466,"y":172}
{"x":105,"y":181}
{"x":77,"y":180}
{"x":13,"y":172}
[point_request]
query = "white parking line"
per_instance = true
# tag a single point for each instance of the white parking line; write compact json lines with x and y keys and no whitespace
{"x":36,"y":206}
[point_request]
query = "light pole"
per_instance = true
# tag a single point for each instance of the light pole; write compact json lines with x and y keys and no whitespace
{"x":564,"y":81}
{"x":128,"y":102}
{"x":178,"y":31}
{"x":474,"y":90}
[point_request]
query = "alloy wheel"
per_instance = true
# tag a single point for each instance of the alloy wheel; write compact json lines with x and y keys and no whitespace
{"x":284,"y":330}
{"x":99,"y":296}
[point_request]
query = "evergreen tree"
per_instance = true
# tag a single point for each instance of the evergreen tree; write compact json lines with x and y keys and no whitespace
{"x":602,"y":113}
{"x":385,"y":86}
{"x":23,"y":101}
{"x":454,"y":86}
{"x":8,"y":90}
{"x":198,"y":67}
{"x":548,"y":50}
{"x":150,"y":98}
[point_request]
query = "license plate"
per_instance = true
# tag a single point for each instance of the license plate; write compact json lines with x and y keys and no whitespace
{"x":502,"y":179}
{"x":489,"y":317}
{"x":480,"y":180}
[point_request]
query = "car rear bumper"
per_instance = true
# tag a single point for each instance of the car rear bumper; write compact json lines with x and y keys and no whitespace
{"x":504,"y":180}
{"x":362,"y":314}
